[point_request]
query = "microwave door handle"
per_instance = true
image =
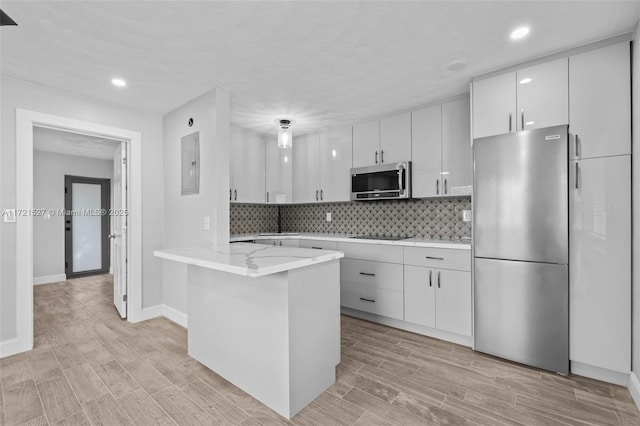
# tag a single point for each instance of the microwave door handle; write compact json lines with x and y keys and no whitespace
{"x":401,"y":180}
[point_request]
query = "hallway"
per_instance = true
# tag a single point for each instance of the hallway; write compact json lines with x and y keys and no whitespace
{"x":90,"y":367}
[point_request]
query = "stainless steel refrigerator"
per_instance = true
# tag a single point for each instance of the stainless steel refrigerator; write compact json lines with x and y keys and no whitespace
{"x":521,"y":247}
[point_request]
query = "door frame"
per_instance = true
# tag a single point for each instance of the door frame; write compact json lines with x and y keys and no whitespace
{"x":105,"y":204}
{"x":26,"y":120}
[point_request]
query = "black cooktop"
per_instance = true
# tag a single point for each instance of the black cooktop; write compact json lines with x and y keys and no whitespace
{"x":378,"y":237}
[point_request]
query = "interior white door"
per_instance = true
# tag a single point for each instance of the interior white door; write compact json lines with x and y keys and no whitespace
{"x":119,"y":231}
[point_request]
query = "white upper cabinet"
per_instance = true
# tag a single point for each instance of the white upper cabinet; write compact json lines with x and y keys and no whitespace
{"x":543,"y":95}
{"x":395,"y":138}
{"x":599,"y":99}
{"x":531,"y":98}
{"x":366,"y":144}
{"x":457,"y":163}
{"x":494,"y":105}
{"x":335,"y":164}
{"x":600,"y":262}
{"x":426,"y":145}
{"x":247,"y":167}
{"x":441,"y":150}
{"x":278,"y":173}
{"x":306,"y":168}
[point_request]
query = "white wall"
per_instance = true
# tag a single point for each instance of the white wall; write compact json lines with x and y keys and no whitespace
{"x":184,"y":214}
{"x":49,"y":170}
{"x":635,"y":96}
{"x":15,"y":94}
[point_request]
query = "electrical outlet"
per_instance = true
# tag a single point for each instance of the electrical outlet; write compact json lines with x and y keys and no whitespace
{"x":206,"y":223}
{"x":328,"y":216}
{"x":466,"y":215}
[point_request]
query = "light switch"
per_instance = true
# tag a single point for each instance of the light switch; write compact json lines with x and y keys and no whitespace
{"x":206,"y":223}
{"x":328,"y":216}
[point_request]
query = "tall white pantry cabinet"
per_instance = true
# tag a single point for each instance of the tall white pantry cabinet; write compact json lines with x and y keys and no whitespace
{"x":600,"y":209}
{"x":590,"y":91}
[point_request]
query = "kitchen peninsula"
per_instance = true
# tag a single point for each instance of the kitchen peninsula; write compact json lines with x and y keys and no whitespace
{"x":265,"y":318}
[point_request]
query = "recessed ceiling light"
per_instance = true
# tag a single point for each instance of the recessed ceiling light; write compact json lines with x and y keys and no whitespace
{"x":519,"y":33}
{"x":456,"y":65}
{"x":118,"y":82}
{"x":526,"y":80}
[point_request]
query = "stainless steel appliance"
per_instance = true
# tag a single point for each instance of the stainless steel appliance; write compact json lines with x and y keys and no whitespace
{"x":521,"y":239}
{"x":381,"y":182}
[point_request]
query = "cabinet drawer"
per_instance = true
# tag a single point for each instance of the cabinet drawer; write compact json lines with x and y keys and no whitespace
{"x":371,"y":299}
{"x":373,"y":274}
{"x":375,"y":252}
{"x":438,"y":258}
{"x":319,"y":244}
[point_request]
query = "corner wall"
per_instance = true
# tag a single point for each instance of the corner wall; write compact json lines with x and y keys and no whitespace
{"x":635,"y":143}
{"x":184,"y":214}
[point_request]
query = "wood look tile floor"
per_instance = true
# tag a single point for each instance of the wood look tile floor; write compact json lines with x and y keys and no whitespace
{"x":90,"y":367}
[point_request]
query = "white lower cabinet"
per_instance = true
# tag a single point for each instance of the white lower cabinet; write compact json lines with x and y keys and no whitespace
{"x":374,"y":287}
{"x":438,"y":298}
{"x":319,"y":244}
{"x":600,"y":262}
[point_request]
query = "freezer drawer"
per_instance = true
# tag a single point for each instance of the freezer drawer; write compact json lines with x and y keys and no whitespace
{"x":522,"y":312}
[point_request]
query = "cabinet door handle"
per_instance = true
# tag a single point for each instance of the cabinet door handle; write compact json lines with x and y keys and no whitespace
{"x":367,"y":300}
{"x":577,"y":186}
{"x":368,"y":274}
{"x":316,"y":195}
{"x":434,"y":258}
{"x":235,"y":195}
{"x":430,"y":282}
{"x":438,"y":187}
{"x":267,"y":196}
{"x":510,"y":122}
{"x":382,"y":156}
{"x":321,"y":195}
{"x":317,"y":248}
{"x":522,"y":118}
{"x":445,"y":186}
{"x":230,"y":195}
{"x":577,"y":154}
{"x":438,"y":279}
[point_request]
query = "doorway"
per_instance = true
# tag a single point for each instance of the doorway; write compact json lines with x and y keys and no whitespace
{"x":87,"y":204}
{"x":131,"y":239}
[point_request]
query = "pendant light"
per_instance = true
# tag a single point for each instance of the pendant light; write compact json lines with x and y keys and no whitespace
{"x":285,"y":134}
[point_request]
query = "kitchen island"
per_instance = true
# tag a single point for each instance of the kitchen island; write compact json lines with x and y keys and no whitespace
{"x":265,"y":318}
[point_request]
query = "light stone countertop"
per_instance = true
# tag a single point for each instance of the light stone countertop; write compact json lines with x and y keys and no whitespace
{"x":410,"y":242}
{"x":252,"y":260}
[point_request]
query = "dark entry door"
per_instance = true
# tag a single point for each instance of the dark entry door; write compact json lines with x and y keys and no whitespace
{"x":87,"y":245}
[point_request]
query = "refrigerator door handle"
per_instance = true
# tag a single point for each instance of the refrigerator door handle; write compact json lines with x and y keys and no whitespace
{"x":510,"y":123}
{"x":522,"y":118}
{"x":577,"y":155}
{"x":577,"y":168}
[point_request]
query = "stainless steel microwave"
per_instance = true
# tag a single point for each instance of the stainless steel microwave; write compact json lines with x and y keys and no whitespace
{"x":382,"y":182}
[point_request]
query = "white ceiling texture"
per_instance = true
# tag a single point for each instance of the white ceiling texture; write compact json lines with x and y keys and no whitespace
{"x":62,"y":142}
{"x":323,"y":63}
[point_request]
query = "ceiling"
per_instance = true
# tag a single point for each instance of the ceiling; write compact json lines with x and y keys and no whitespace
{"x":323,"y":63}
{"x":61,"y":142}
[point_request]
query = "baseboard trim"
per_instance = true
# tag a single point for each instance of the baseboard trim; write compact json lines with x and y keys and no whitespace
{"x":407,"y":326}
{"x":151,"y":312}
{"x":175,"y":315}
{"x":634,"y":388}
{"x":166,"y":311}
{"x":599,"y":373}
{"x":8,"y":347}
{"x":48,"y":279}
